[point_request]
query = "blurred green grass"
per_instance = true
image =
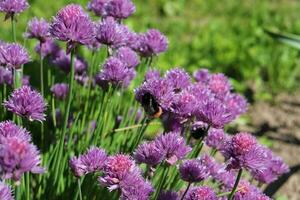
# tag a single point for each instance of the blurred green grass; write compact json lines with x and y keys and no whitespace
{"x":223,"y":36}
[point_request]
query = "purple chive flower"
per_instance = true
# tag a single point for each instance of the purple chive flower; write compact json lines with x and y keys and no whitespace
{"x":98,"y":7}
{"x":178,"y":78}
{"x":60,"y":90}
{"x":154,"y":94}
{"x":275,"y":168}
{"x":38,"y":29}
{"x":214,"y":113}
{"x":18,"y":156}
{"x":115,"y":170}
{"x":152,"y":43}
{"x":244,"y":152}
{"x":6,"y":76}
{"x":173,"y":146}
{"x":111,"y":33}
{"x":218,"y":171}
{"x":193,"y":171}
{"x":92,"y":161}
{"x":13,"y":55}
{"x":168,"y":195}
{"x":247,"y":191}
{"x":184,"y":105}
{"x":26,"y":80}
{"x":73,"y":25}
{"x":128,"y":56}
{"x":11,"y":7}
{"x":120,"y":9}
{"x":148,"y":153}
{"x":201,"y":193}
{"x":63,"y":61}
{"x":152,"y":74}
{"x":47,"y":48}
{"x":236,"y":103}
{"x":28,"y":103}
{"x":115,"y":72}
{"x":219,"y":85}
{"x":5,"y":192}
{"x":202,"y":76}
{"x":133,"y":186}
{"x":215,"y":138}
{"x":8,"y":129}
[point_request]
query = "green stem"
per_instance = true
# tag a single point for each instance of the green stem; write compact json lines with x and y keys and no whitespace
{"x":67,"y":113}
{"x":13,"y":28}
{"x":185,"y":192}
{"x":141,"y":132}
{"x":162,"y":181}
{"x":79,"y":188}
{"x":27,"y":182}
{"x":42,"y":88}
{"x":230,"y":196}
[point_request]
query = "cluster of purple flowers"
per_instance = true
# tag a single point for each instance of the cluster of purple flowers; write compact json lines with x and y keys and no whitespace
{"x":119,"y":172}
{"x":169,"y":147}
{"x":5,"y":192}
{"x":26,"y":102}
{"x":209,"y":101}
{"x":17,"y":154}
{"x":13,"y":55}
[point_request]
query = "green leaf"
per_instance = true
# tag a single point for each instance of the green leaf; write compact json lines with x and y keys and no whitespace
{"x":289,"y":39}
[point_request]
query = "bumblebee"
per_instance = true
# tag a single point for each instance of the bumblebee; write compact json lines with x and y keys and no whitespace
{"x":151,"y":106}
{"x":199,"y":133}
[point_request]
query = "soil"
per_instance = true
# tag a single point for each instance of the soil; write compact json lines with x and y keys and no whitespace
{"x":280,"y":122}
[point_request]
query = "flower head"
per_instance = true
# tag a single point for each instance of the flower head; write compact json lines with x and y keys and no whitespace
{"x":98,"y":7}
{"x":133,"y":186}
{"x":6,"y":76}
{"x":26,"y":102}
{"x":115,"y":72}
{"x":60,"y":90}
{"x":73,"y":25}
{"x":219,"y":84}
{"x":5,"y":192}
{"x":168,"y":195}
{"x":120,"y":9}
{"x":9,"y":129}
{"x":243,"y":151}
{"x":152,"y":74}
{"x":111,"y":33}
{"x":47,"y":48}
{"x":118,"y":168}
{"x":128,"y":56}
{"x":38,"y":29}
{"x":202,"y":76}
{"x":18,"y":156}
{"x":214,"y":113}
{"x":193,"y":171}
{"x":215,"y":138}
{"x":178,"y":78}
{"x":155,"y":94}
{"x":274,"y":168}
{"x":236,"y":103}
{"x":201,"y":193}
{"x":173,"y":146}
{"x":13,"y":55}
{"x":152,"y":43}
{"x":93,"y":160}
{"x":148,"y":153}
{"x":11,"y":7}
